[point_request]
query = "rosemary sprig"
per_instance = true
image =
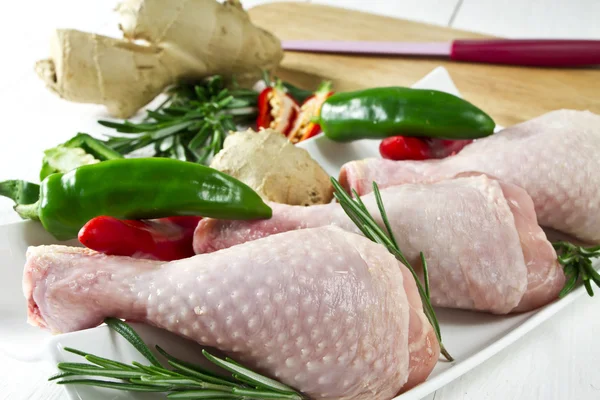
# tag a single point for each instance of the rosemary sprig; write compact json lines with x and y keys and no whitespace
{"x":577,"y":265}
{"x":359,"y":214}
{"x":191,"y":124}
{"x":182,"y":381}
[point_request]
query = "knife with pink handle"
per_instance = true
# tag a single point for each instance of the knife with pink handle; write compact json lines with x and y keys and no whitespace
{"x":547,"y":53}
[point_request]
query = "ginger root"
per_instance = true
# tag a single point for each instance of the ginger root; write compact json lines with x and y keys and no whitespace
{"x":180,"y":40}
{"x":276,"y":169}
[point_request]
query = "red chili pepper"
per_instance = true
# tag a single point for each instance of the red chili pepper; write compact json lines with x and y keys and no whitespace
{"x":404,"y":148}
{"x":264,"y":109}
{"x":442,"y":148}
{"x":305,"y":127}
{"x":277,"y":109}
{"x":163,"y":239}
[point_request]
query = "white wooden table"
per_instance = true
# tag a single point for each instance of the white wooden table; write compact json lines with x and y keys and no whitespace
{"x":560,"y":360}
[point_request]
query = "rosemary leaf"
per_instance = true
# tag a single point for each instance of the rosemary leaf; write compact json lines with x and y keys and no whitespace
{"x":178,"y":150}
{"x":61,"y":375}
{"x":164,"y":145}
{"x":569,"y":284}
{"x":386,"y":221}
{"x":188,"y":365}
{"x":425,"y":274}
{"x":200,"y":138}
{"x":162,"y":117}
{"x":132,"y":337}
{"x":203,"y":394}
{"x":588,"y":286}
{"x":244,"y":380}
{"x":258,"y":394}
{"x":592,"y":273}
{"x":98,"y":371}
{"x":257,"y":379}
{"x":130,"y":387}
{"x":74,"y":351}
{"x":169,"y":130}
{"x":199,"y":375}
{"x":123,"y":128}
{"x":233,"y":361}
{"x":106,"y":363}
{"x":182,"y":381}
{"x":165,"y":386}
{"x":157,"y":371}
{"x":78,"y":366}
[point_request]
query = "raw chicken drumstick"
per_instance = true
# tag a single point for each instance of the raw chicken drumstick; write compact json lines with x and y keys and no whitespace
{"x":555,"y":158}
{"x":484,"y":248}
{"x":326,"y":311}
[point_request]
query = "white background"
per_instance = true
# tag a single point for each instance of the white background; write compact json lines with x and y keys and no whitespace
{"x":560,"y":360}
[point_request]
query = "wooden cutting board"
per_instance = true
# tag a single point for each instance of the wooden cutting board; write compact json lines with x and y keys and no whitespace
{"x":509,"y":94}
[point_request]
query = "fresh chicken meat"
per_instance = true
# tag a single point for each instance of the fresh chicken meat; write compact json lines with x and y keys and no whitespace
{"x":484,"y":248}
{"x":325,"y":311}
{"x":555,"y":158}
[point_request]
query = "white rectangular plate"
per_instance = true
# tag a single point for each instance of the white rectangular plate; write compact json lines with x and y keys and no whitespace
{"x":470,"y":337}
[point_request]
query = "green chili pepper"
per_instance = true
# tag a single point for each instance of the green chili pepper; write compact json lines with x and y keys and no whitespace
{"x":21,"y":192}
{"x":390,"y":111}
{"x":139,"y":188}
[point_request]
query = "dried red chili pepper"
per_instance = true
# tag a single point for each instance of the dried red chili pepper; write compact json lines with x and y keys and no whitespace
{"x":277,"y":109}
{"x":305,"y":126}
{"x":163,"y":239}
